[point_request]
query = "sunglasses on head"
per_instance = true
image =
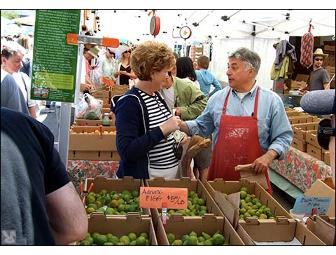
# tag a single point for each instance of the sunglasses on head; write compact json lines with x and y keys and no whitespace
{"x":324,"y":132}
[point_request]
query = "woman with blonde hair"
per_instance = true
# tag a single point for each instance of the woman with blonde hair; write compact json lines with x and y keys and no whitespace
{"x":143,"y":119}
{"x":124,"y":71}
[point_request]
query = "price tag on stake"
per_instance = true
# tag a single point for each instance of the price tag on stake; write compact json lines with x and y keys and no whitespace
{"x":156,"y":197}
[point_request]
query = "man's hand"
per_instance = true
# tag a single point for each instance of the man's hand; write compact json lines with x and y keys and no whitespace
{"x":261,"y":164}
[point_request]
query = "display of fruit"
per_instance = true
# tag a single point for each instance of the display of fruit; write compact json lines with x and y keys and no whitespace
{"x":96,"y":132}
{"x":196,"y":206}
{"x":110,"y":239}
{"x":193,"y":239}
{"x":250,"y":206}
{"x":91,"y":116}
{"x":113,"y":203}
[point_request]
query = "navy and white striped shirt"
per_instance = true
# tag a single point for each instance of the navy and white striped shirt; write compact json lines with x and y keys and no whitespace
{"x":161,"y":157}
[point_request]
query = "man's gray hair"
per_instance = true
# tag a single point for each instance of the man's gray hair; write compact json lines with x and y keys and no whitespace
{"x":248,"y":56}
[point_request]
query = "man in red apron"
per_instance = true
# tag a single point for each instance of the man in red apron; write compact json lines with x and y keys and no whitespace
{"x":248,"y":123}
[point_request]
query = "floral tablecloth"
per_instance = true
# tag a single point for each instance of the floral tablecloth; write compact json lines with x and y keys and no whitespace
{"x":301,"y":169}
{"x":80,"y":169}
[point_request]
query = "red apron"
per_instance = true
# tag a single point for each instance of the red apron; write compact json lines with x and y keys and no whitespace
{"x":237,"y":144}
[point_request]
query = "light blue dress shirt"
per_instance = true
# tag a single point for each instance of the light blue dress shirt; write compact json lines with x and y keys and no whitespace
{"x":206,"y":79}
{"x":274,"y":128}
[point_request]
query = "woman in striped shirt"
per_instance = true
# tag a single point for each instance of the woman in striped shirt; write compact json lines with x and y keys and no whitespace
{"x":143,"y":119}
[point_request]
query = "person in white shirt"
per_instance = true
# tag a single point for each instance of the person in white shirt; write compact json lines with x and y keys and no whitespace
{"x":12,"y":63}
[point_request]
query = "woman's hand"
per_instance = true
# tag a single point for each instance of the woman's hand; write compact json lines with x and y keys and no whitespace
{"x":170,"y":125}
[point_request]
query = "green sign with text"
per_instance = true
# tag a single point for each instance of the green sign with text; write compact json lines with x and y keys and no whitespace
{"x":54,"y":61}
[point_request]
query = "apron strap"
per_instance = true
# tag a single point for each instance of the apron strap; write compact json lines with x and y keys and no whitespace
{"x":226,"y":101}
{"x":255,"y":110}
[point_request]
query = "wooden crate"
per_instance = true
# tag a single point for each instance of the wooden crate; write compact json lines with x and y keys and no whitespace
{"x":326,"y":156}
{"x":300,"y":130}
{"x":295,"y":113}
{"x":314,"y":151}
{"x":311,"y":138}
{"x":300,"y":119}
{"x":299,"y":144}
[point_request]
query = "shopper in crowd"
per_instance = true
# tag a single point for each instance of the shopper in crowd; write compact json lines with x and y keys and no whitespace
{"x":319,"y":77}
{"x":185,"y":70}
{"x":143,"y":119}
{"x":90,"y":53}
{"x":12,"y":63}
{"x":248,"y":123}
{"x":323,"y":102}
{"x":205,"y":78}
{"x":109,"y":64}
{"x":11,"y":95}
{"x":187,"y":101}
{"x":124,"y":71}
{"x":38,"y":202}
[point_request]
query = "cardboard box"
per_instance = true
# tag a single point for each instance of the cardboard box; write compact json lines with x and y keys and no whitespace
{"x":118,"y":185}
{"x":330,"y":60}
{"x":191,"y":185}
{"x":295,"y":113}
{"x":329,"y":47}
{"x":311,"y":138}
{"x":120,"y":226}
{"x":330,"y":69}
{"x":209,"y":224}
{"x":300,"y":119}
{"x":320,"y":189}
{"x":93,"y":141}
{"x":219,"y":186}
{"x":119,"y":90}
{"x":294,"y":85}
{"x":302,"y":77}
{"x":283,"y":230}
{"x":326,"y":156}
{"x":299,"y":144}
{"x":300,"y":130}
{"x":314,"y":151}
{"x":323,"y":228}
{"x":94,"y":155}
{"x":84,"y":122}
{"x":106,"y":110}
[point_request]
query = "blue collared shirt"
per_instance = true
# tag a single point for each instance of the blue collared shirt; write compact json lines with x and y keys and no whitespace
{"x":274,"y":128}
{"x":206,"y":79}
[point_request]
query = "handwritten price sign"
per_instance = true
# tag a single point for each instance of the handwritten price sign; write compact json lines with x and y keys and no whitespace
{"x":156,"y":197}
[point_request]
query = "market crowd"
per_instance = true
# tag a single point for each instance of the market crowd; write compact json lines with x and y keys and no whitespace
{"x":173,"y":105}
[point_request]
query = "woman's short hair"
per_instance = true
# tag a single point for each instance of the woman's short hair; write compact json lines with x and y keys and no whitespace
{"x":203,"y":62}
{"x":150,"y":57}
{"x":185,"y":68}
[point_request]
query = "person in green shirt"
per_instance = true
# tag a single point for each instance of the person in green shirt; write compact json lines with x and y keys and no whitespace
{"x":187,"y":101}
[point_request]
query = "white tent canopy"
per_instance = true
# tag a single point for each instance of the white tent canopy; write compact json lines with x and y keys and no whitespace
{"x":134,"y":24}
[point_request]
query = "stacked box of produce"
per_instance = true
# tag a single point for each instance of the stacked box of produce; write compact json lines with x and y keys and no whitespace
{"x":93,"y":143}
{"x":130,"y":230}
{"x":281,"y":232}
{"x":240,"y":200}
{"x":206,"y":230}
{"x":113,"y":197}
{"x":199,"y":200}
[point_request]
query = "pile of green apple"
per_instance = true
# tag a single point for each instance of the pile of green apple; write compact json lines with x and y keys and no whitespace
{"x":193,"y":239}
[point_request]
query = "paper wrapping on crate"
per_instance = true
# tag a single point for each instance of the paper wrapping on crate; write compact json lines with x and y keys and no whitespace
{"x":246,"y":172}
